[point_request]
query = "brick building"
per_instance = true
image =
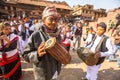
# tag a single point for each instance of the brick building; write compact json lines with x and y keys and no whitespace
{"x":88,"y":12}
{"x":111,"y":15}
{"x":2,"y":10}
{"x":33,"y":8}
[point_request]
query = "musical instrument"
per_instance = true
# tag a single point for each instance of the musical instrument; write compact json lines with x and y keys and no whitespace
{"x":87,"y":56}
{"x":57,"y":51}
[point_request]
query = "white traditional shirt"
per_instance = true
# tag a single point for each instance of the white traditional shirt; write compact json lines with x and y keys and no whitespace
{"x":108,"y":45}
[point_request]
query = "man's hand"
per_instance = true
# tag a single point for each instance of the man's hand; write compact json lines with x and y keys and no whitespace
{"x":41,"y":49}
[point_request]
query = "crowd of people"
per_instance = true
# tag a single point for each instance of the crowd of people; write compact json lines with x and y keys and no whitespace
{"x":26,"y":38}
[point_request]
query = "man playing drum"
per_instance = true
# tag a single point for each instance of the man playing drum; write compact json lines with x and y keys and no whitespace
{"x":45,"y":66}
{"x":106,"y":49}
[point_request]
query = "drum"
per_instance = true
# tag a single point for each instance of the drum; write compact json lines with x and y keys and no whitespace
{"x":87,"y":56}
{"x":57,"y":51}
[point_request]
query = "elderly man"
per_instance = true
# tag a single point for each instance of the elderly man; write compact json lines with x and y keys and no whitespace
{"x":45,"y":66}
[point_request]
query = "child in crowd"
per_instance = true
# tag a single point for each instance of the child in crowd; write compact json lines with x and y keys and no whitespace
{"x":10,"y":65}
{"x":67,"y":37}
{"x":106,"y":49}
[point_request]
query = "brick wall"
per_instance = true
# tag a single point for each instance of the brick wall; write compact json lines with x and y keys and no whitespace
{"x":110,"y":16}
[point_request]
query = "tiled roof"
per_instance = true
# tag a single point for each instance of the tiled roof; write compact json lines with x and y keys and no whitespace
{"x":11,"y":1}
{"x":45,"y":3}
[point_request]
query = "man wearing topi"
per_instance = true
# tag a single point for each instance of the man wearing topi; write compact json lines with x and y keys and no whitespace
{"x":45,"y":66}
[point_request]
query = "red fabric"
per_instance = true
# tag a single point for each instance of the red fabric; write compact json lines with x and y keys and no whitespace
{"x":13,"y":70}
{"x":9,"y":60}
{"x":65,"y":44}
{"x":20,"y":77}
{"x":4,"y":56}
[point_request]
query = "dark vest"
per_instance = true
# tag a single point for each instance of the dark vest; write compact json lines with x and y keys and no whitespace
{"x":102,"y":49}
{"x":78,"y":31}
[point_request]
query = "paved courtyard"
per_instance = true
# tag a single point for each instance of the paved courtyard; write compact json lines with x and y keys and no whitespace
{"x":76,"y":70}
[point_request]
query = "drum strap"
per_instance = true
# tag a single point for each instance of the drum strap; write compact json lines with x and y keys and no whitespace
{"x":43,"y":35}
{"x":91,"y":42}
{"x":99,"y":44}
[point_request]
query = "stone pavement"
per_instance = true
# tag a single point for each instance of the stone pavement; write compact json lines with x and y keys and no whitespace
{"x":76,"y":70}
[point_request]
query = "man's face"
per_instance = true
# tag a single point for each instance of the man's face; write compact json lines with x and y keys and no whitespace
{"x":100,"y":31}
{"x":51,"y":22}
